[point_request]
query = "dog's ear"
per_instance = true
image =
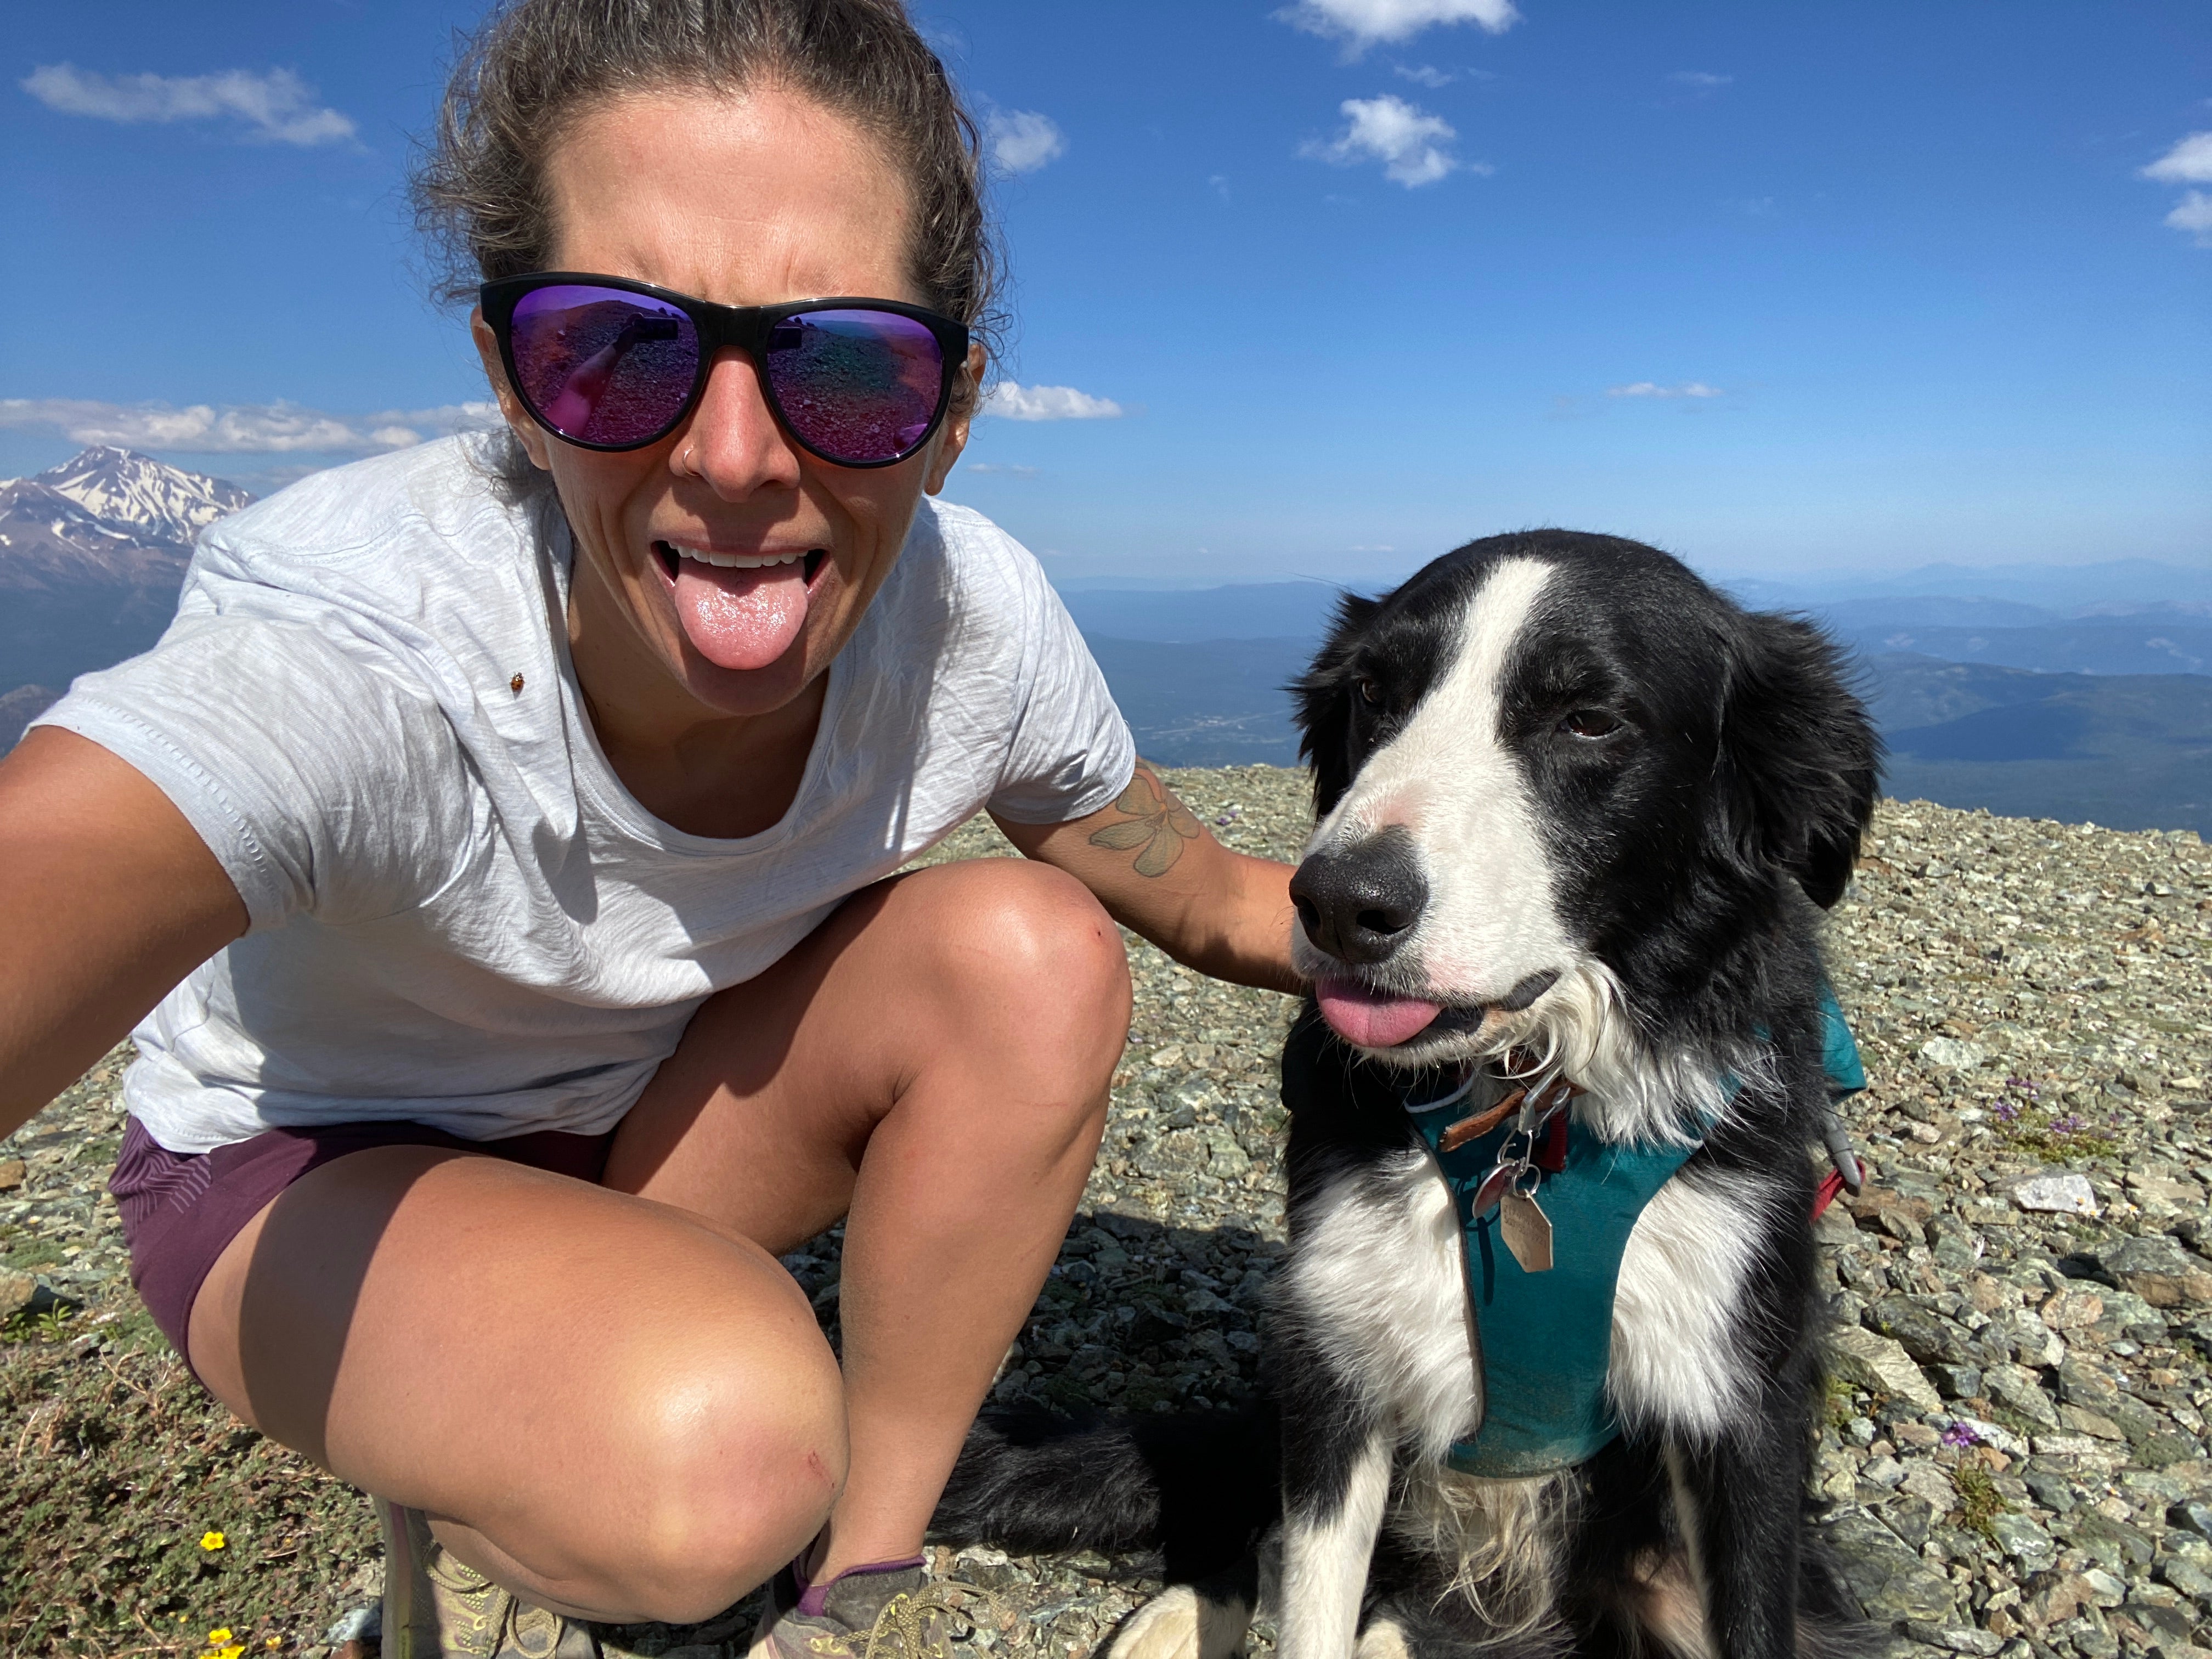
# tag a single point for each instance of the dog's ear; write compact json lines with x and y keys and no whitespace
{"x":1323,"y":698}
{"x":1800,"y":759}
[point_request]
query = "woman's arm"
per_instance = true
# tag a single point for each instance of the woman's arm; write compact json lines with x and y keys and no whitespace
{"x":1159,"y":872}
{"x":107,"y":898}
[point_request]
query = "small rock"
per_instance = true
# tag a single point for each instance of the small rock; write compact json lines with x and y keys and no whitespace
{"x":2018,"y":1388}
{"x":1928,"y":1483}
{"x":361,"y":1624}
{"x":1891,"y":1582}
{"x":1956,"y":1638}
{"x":2107,"y":1591}
{"x":2049,"y":1491}
{"x":2157,"y":1269}
{"x":2025,"y":1541}
{"x":1883,"y":1472}
{"x":1994,"y":1434}
{"x":1950,"y":1053}
{"x":2186,"y":1576}
{"x":1921,"y":1332}
{"x":11,"y":1174}
{"x":1957,"y":1381}
{"x":2192,"y":1516}
{"x":2073,"y":1310}
{"x":1879,"y":1365}
{"x":17,"y":1292}
{"x":2056,"y":1194}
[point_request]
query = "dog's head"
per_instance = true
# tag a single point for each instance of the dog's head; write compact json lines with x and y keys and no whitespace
{"x":1554,"y":766}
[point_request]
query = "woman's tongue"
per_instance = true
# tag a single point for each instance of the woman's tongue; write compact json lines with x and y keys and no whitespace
{"x":741,"y":618}
{"x":1372,"y":1018}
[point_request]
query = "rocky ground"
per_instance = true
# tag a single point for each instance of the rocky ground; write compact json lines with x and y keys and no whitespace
{"x":2013,"y":1459}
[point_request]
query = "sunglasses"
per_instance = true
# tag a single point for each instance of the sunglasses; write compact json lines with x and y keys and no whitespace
{"x":603,"y":362}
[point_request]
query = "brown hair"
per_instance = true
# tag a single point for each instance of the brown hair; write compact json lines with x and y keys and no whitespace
{"x":535,"y":66}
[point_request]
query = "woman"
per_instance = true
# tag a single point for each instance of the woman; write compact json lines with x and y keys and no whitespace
{"x":509,"y":851}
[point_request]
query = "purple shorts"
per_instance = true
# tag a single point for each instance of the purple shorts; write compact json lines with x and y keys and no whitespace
{"x":181,"y":1209}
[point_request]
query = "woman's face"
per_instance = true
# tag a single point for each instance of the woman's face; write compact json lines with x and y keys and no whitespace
{"x":747,"y":200}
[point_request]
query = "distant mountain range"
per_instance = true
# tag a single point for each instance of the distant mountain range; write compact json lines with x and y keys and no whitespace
{"x":2090,"y":701}
{"x":2077,"y":692}
{"x":91,"y":553}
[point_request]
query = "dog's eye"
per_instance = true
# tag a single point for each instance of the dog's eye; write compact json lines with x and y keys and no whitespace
{"x":1590,"y":723}
{"x":1371,"y":691}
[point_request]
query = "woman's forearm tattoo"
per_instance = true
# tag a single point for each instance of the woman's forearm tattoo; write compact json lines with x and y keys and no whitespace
{"x":1157,"y":825}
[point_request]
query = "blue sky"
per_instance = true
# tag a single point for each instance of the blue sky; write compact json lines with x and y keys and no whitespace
{"x":1777,"y":287}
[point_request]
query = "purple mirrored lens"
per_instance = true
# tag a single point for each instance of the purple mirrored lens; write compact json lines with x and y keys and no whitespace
{"x":603,"y":365}
{"x":856,"y":386}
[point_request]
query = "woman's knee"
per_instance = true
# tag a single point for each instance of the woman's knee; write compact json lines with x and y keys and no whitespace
{"x":731,"y":1461}
{"x":1026,"y":948}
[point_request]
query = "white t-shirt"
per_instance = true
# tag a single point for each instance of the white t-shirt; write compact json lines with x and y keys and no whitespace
{"x":460,"y":917}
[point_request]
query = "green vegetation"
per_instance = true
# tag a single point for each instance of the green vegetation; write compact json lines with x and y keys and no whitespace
{"x":1980,"y":1503}
{"x":148,"y":1516}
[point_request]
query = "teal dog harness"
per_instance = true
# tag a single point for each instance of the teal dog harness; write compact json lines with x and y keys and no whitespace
{"x":1543,"y":1334}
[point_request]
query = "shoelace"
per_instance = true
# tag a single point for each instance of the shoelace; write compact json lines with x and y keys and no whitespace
{"x":902,"y":1624}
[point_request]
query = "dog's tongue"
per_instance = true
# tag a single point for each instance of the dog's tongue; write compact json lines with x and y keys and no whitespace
{"x":1370,"y":1019}
{"x":741,"y":618}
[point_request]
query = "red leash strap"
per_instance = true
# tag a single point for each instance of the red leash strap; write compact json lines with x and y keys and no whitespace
{"x":1830,"y":1184}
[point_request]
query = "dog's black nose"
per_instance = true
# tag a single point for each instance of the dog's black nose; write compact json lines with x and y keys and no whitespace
{"x":1357,"y":903}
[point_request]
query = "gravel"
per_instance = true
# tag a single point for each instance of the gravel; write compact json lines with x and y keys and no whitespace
{"x":2013,"y":1457}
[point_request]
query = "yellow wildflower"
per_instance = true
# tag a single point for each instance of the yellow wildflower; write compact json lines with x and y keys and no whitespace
{"x":211,"y":1542}
{"x":217,"y":1638}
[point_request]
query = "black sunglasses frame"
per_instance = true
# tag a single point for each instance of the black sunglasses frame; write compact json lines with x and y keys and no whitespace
{"x":720,"y":328}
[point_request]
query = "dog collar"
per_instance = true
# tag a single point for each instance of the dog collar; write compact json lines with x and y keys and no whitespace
{"x":1542,"y":1339}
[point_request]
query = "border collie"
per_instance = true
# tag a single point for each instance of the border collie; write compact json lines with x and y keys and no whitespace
{"x":1578,"y":814}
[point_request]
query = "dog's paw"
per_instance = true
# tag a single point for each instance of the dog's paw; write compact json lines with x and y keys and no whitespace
{"x":1179,"y":1623}
{"x":1383,"y":1639}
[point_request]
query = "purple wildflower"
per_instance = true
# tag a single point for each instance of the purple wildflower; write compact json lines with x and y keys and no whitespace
{"x":2007,"y":1111}
{"x":2068,"y":1124}
{"x":1959,"y":1437}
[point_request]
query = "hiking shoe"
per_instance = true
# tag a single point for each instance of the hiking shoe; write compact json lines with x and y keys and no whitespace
{"x":889,"y":1611}
{"x":436,"y":1607}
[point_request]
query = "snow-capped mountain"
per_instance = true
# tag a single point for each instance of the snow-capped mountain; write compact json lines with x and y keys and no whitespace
{"x":108,"y":517}
{"x":91,"y":553}
{"x":135,"y":492}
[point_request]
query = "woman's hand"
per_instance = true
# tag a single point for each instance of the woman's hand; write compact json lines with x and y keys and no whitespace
{"x":1159,"y":872}
{"x":107,"y":898}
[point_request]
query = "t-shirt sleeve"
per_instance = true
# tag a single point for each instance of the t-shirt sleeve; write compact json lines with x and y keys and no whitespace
{"x":1071,"y":752}
{"x":321,"y":784}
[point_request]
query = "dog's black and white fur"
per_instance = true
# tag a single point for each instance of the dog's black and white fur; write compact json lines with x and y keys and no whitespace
{"x":1592,"y":808}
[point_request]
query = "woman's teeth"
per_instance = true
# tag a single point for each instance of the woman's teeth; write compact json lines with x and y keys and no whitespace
{"x":735,"y":561}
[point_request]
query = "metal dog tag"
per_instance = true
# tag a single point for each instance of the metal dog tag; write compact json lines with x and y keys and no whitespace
{"x":1498,"y":1181}
{"x":1527,"y":1230}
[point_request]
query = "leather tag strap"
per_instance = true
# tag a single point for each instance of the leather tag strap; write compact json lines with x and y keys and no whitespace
{"x":1474,"y":1128}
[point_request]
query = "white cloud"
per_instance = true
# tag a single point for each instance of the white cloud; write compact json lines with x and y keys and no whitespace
{"x":2189,"y":162}
{"x":1011,"y":402}
{"x":278,"y":106}
{"x":1427,"y":75}
{"x":1022,"y":140}
{"x":2194,"y":214}
{"x":1361,"y":23}
{"x":240,"y":429}
{"x":1650,"y":389}
{"x":999,"y":467}
{"x":1700,"y":79}
{"x":1408,"y":143}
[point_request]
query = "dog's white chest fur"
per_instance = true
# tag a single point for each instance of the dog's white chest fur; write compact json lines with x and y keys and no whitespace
{"x":1381,"y":1279}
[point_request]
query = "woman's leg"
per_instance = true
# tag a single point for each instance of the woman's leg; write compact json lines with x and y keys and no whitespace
{"x":619,"y":1405}
{"x":936,"y":1063}
{"x":611,"y":1407}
